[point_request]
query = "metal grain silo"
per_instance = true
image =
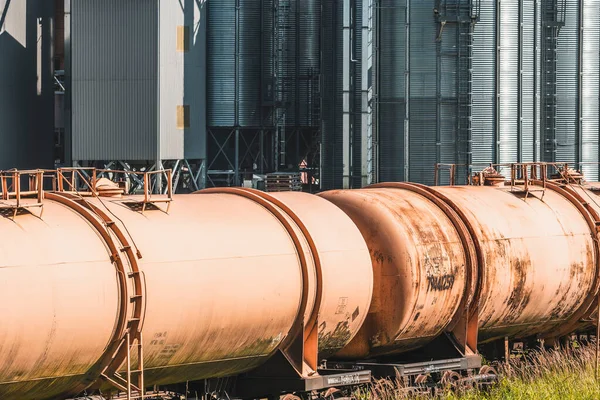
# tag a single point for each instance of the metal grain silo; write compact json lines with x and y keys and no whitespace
{"x":309,"y":60}
{"x":221,"y":63}
{"x":567,"y":140}
{"x":506,"y":82}
{"x":590,"y":87}
{"x":570,"y":60}
{"x":424,"y":86}
{"x":26,"y":84}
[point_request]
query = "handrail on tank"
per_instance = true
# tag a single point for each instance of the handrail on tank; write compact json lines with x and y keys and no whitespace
{"x":15,"y":186}
{"x":87,"y":178}
{"x":521,"y":173}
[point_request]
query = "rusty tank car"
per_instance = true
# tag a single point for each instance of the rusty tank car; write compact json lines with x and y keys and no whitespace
{"x":283,"y":292}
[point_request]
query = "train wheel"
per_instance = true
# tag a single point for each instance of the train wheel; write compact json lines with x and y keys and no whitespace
{"x":450,"y":378}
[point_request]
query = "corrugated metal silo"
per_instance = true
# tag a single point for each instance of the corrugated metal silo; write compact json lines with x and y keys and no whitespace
{"x":590,"y":88}
{"x":424,"y":87}
{"x":392,"y":59}
{"x":506,"y":83}
{"x":221,"y":63}
{"x":332,"y":111}
{"x":263,"y":83}
{"x":570,"y":84}
{"x":26,"y":84}
{"x":249,"y":57}
{"x":309,"y":62}
{"x":567,"y":85}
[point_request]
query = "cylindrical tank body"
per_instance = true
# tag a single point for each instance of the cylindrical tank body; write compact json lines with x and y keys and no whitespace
{"x":59,"y":302}
{"x":419,"y":265}
{"x":537,"y":262}
{"x":224,"y":282}
{"x":346,"y":273}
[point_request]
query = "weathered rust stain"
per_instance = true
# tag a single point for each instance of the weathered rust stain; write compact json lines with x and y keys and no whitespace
{"x":331,"y":341}
{"x":521,"y":291}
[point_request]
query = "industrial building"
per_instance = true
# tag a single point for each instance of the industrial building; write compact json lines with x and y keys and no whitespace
{"x":26,"y":84}
{"x":345,"y":92}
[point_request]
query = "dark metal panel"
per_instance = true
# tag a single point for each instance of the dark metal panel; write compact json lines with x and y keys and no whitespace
{"x":331,"y":88}
{"x":26,"y":103}
{"x":114,"y":79}
{"x":308,"y":62}
{"x":423,"y":83}
{"x":392,"y":57}
{"x":221,"y":66}
{"x":249,"y":73}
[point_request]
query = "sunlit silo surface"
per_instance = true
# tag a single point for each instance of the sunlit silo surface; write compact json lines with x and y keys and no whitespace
{"x":506,"y":82}
{"x":26,"y":84}
{"x":470,"y":81}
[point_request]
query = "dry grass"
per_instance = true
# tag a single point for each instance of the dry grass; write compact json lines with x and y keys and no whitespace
{"x":543,"y":374}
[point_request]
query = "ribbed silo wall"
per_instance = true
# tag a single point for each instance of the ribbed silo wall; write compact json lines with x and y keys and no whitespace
{"x":506,"y":83}
{"x":429,"y":59}
{"x":567,"y":86}
{"x":424,"y":115}
{"x":26,"y":84}
{"x":114,"y":79}
{"x":332,"y":95}
{"x":234,"y":63}
{"x":392,"y":57}
{"x":590,"y":88}
{"x":309,"y":47}
{"x":571,"y":86}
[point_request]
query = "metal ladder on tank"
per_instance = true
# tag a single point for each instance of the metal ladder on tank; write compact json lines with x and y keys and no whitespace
{"x":553,"y":19}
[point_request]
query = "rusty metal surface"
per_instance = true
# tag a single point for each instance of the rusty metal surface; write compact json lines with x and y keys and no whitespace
{"x":420,"y":273}
{"x":537,"y":258}
{"x":59,"y":302}
{"x":346,"y":272}
{"x":223,"y":284}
